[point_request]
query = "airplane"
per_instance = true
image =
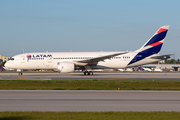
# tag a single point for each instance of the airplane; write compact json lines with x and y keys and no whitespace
{"x":1,"y":68}
{"x":65,"y":62}
{"x":144,"y":69}
{"x":157,"y":70}
{"x":121,"y":70}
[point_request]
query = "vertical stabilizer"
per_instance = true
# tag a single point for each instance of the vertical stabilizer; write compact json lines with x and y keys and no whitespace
{"x":156,"y":40}
{"x":152,"y":46}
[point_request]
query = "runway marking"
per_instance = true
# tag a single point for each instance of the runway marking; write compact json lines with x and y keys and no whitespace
{"x":21,"y":78}
{"x":90,"y":100}
{"x":119,"y":78}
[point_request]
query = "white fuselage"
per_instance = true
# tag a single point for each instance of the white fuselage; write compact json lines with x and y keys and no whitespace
{"x":49,"y":60}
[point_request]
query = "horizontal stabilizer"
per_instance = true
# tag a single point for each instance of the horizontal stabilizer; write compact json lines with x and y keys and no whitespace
{"x":162,"y":56}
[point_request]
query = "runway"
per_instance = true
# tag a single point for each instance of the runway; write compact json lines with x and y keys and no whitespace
{"x":88,"y":100}
{"x":91,"y":100}
{"x":98,"y":76}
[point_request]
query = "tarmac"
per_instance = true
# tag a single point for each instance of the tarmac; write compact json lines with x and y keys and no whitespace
{"x":98,"y":76}
{"x":89,"y":100}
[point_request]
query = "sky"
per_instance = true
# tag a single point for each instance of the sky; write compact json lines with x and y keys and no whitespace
{"x":86,"y":25}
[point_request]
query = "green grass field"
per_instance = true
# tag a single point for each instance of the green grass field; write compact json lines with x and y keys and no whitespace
{"x":89,"y":115}
{"x":88,"y":85}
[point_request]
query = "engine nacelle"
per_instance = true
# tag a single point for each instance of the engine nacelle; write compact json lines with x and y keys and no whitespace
{"x":65,"y":67}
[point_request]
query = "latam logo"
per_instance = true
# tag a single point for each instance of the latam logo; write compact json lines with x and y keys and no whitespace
{"x":38,"y":56}
{"x":28,"y":56}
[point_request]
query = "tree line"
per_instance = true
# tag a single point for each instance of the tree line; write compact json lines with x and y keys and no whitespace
{"x":172,"y":61}
{"x":2,"y":63}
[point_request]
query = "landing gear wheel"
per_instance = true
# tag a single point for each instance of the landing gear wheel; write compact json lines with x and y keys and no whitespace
{"x":20,"y":73}
{"x":90,"y":73}
{"x":86,"y":73}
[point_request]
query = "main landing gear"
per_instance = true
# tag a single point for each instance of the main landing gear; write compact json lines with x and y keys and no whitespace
{"x":88,"y":73}
{"x":20,"y":74}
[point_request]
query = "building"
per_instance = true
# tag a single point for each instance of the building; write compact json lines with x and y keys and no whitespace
{"x":165,"y":67}
{"x":1,"y":58}
{"x":4,"y":58}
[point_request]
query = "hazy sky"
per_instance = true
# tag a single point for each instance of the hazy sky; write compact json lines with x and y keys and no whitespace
{"x":86,"y":25}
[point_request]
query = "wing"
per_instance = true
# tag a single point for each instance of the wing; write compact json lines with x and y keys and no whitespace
{"x":94,"y":61}
{"x":162,"y":56}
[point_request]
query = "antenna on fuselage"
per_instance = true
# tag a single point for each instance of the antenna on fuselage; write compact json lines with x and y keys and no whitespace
{"x":22,"y":51}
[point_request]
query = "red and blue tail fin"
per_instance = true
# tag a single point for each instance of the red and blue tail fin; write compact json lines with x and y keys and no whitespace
{"x":152,"y":46}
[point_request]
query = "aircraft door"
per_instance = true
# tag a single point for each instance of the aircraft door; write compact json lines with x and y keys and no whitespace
{"x":49,"y":59}
{"x":22,"y":59}
{"x":49,"y":62}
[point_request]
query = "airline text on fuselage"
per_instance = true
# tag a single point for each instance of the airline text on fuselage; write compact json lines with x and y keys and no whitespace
{"x":39,"y":56}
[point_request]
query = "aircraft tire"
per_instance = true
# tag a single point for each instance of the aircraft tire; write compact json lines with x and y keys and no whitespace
{"x":90,"y":73}
{"x":20,"y":74}
{"x":86,"y":73}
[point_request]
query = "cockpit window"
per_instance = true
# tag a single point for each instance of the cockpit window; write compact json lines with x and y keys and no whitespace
{"x":11,"y":59}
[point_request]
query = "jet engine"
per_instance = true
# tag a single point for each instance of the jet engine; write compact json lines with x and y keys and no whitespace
{"x":65,"y":67}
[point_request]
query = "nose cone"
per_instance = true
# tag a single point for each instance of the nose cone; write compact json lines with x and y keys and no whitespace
{"x":6,"y":64}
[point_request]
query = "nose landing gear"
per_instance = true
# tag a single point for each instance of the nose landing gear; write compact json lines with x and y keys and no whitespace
{"x":20,"y":74}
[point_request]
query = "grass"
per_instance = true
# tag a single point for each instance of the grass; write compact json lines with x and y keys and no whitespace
{"x":88,"y":85}
{"x":89,"y":115}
